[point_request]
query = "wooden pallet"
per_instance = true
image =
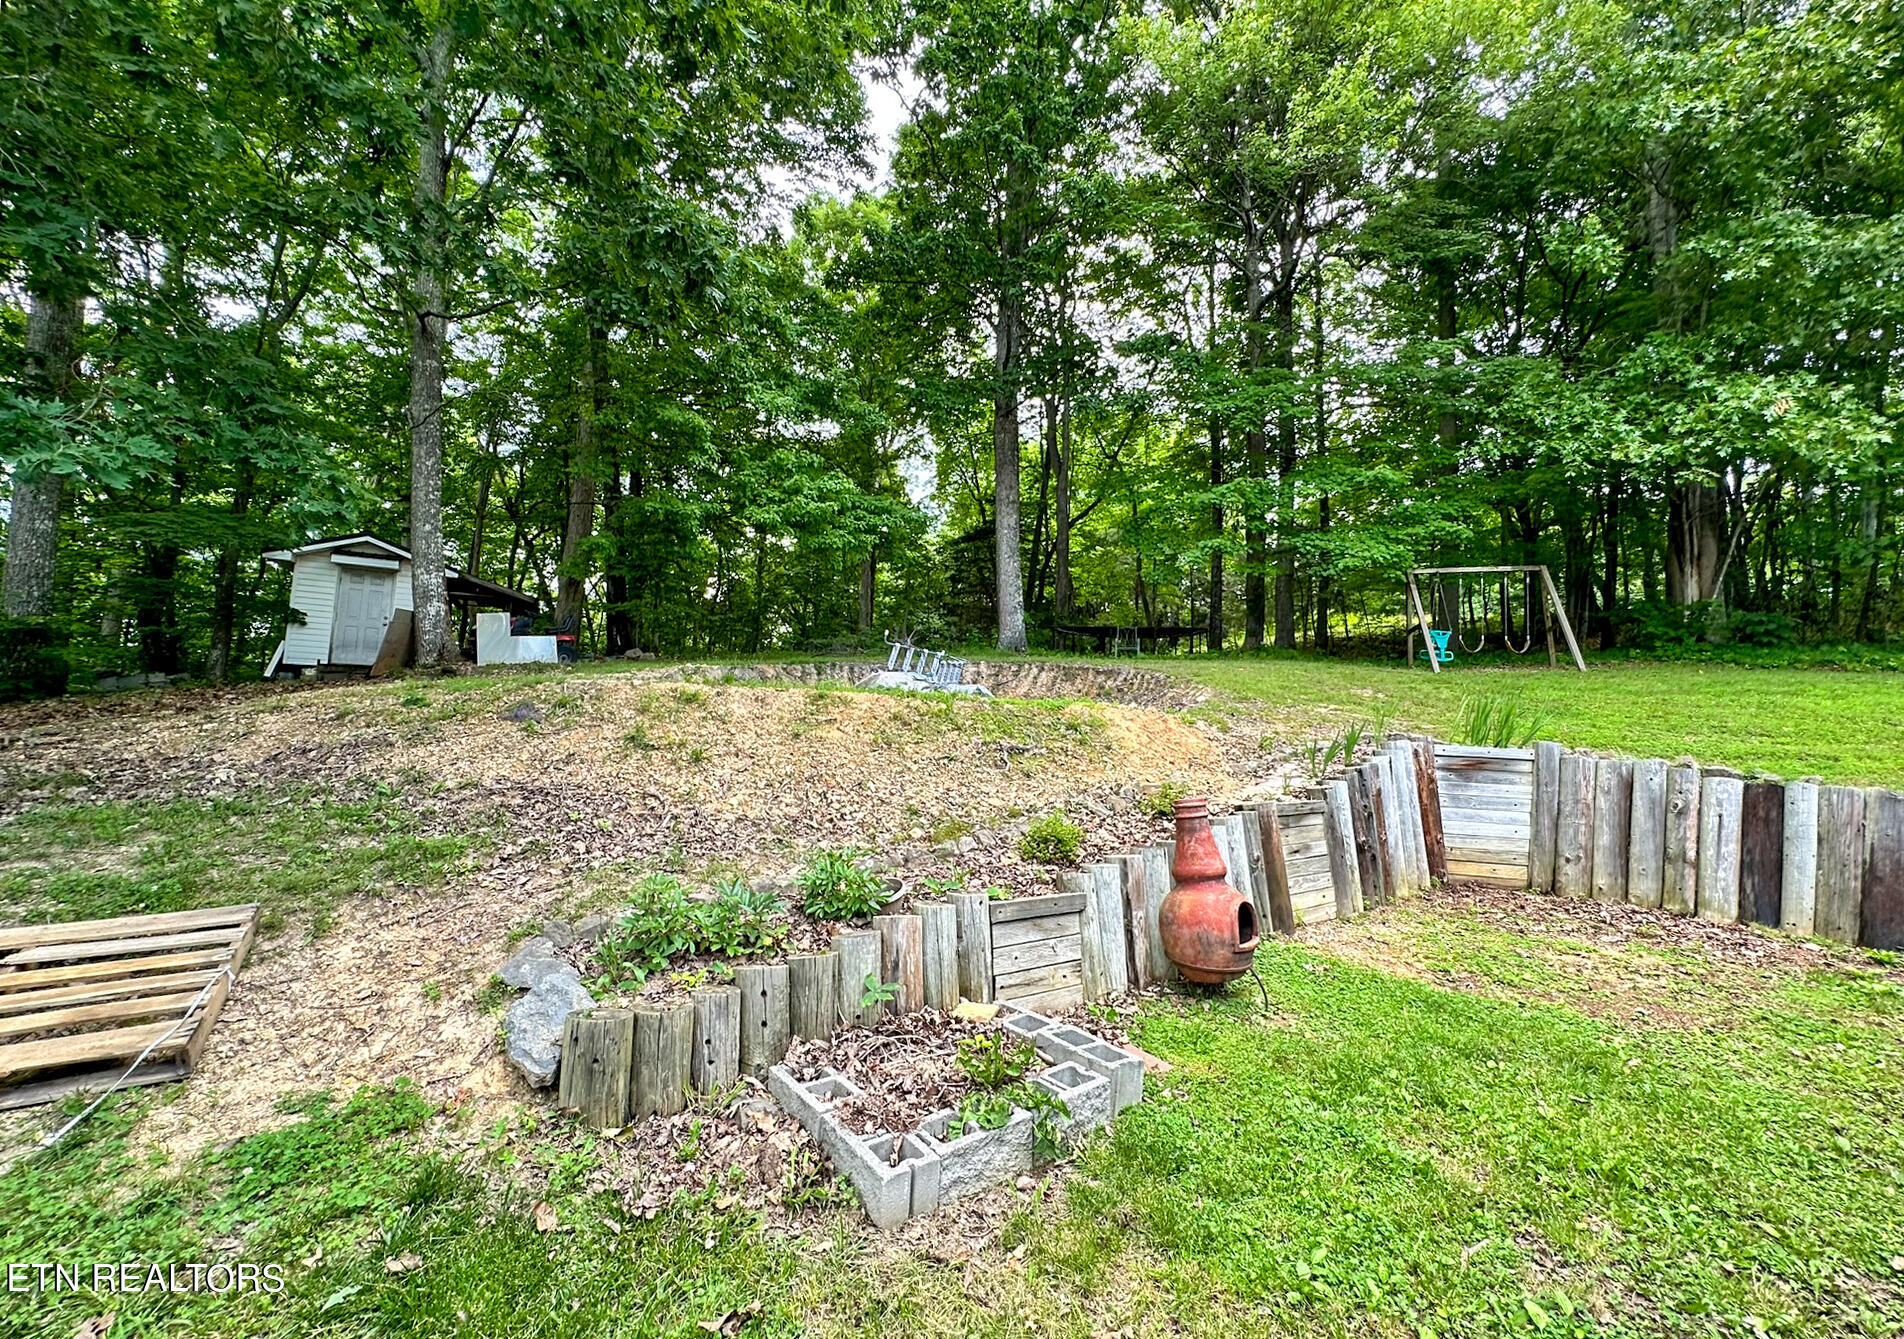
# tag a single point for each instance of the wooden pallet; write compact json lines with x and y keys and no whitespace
{"x":79,"y":1001}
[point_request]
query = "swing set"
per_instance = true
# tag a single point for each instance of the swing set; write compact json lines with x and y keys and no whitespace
{"x":1456,"y":604}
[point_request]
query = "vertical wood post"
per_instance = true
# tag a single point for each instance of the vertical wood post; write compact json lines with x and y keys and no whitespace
{"x":813,"y":990}
{"x":858,"y":952}
{"x":1370,"y":838}
{"x":1157,"y":883}
{"x":1102,"y":926}
{"x":1881,"y":915}
{"x":664,"y":1051}
{"x":939,"y":931}
{"x":1798,"y":886}
{"x":766,"y":1015}
{"x":1721,"y":801}
{"x":1573,"y":832}
{"x":1646,"y":835}
{"x":1680,"y":891}
{"x":715,"y":1063}
{"x":1091,"y":962}
{"x":902,"y":961}
{"x":1387,"y":842}
{"x":1838,"y":913}
{"x":1612,"y":827}
{"x":974,"y":915}
{"x":1401,"y":764}
{"x":1428,"y":805}
{"x":1269,"y":836}
{"x":598,"y":1062}
{"x":1762,"y":853}
{"x":1339,"y":827}
{"x":1546,"y":816}
{"x":1143,"y":970}
{"x":1249,"y":827}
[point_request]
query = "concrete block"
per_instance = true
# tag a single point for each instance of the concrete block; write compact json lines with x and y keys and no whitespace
{"x":1124,"y":1070}
{"x":1023,"y":1022}
{"x":809,"y":1102}
{"x":890,"y":1193}
{"x":979,"y":1159}
{"x":1085,"y":1094}
{"x":1060,"y":1043}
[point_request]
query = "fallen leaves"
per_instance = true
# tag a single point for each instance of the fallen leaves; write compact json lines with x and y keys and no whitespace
{"x":96,"y":1327}
{"x":545,"y":1219}
{"x":407,"y":1263}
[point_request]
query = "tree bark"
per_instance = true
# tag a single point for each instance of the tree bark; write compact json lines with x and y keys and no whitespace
{"x":26,"y":586}
{"x":225,"y":587}
{"x":1061,"y":595}
{"x":1286,"y":457}
{"x":429,"y":331}
{"x":1007,"y":353}
{"x":1214,"y":630}
{"x":580,"y":526}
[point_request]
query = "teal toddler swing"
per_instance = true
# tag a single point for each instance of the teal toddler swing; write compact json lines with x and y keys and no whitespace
{"x":1438,"y":644}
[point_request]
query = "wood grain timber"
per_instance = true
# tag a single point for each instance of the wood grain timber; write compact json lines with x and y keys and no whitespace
{"x":975,"y":946}
{"x":813,"y":993}
{"x":1281,"y":917}
{"x":598,"y":1063}
{"x":715,"y":1061}
{"x":939,"y":946}
{"x":1881,"y":913}
{"x":1573,"y":833}
{"x":1838,"y":912}
{"x":766,"y":1014}
{"x":1405,"y":762}
{"x":1646,"y":834}
{"x":81,"y":1001}
{"x":1721,"y":801}
{"x":1038,"y":947}
{"x":1249,"y":827}
{"x":1367,"y":845}
{"x":1545,"y":816}
{"x":1612,"y":827}
{"x":1487,"y":810}
{"x":1308,"y":866}
{"x":902,"y":961}
{"x":1102,"y":929}
{"x":1158,"y":881}
{"x":858,"y":954}
{"x":1387,"y":843}
{"x":1762,"y":853}
{"x":1339,"y":824}
{"x":664,"y":1054}
{"x":1144,"y":953}
{"x":1798,"y":883}
{"x":1680,"y":890}
{"x":1428,"y":806}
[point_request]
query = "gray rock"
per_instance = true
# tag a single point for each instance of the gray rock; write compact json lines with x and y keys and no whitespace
{"x":590,"y":929}
{"x":534,"y":1025}
{"x":517,"y":971}
{"x":523,"y":711}
{"x":559,"y":933}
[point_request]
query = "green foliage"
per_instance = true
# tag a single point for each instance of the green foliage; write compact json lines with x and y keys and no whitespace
{"x":1052,"y":840}
{"x":664,"y":923}
{"x":994,"y":1060}
{"x":1321,"y":756}
{"x":1160,"y":800}
{"x":32,"y":661}
{"x":836,"y":886}
{"x":874,"y":991}
{"x":1492,"y":721}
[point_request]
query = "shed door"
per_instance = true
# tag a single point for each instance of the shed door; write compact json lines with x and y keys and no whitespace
{"x":364,"y":601}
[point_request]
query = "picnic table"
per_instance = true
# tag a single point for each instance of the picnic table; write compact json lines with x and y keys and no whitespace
{"x":1133,"y":638}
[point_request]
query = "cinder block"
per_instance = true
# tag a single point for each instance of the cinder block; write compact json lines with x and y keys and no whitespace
{"x":890,"y":1193}
{"x":979,"y":1159}
{"x":1023,"y":1022}
{"x":1085,"y":1094}
{"x":1060,"y":1043}
{"x":808,"y":1102}
{"x":1124,"y":1070}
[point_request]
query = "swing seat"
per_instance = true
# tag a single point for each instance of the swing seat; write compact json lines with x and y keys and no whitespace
{"x":1438,"y":651}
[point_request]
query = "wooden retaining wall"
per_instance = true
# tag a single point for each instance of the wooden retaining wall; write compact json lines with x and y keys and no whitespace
{"x":1798,"y":856}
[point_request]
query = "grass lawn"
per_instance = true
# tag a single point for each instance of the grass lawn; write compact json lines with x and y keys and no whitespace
{"x":1845,"y":726}
{"x":1438,"y":1128}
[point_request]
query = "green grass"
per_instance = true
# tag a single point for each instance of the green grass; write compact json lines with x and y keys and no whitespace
{"x":295,"y":853}
{"x":1846,"y":726}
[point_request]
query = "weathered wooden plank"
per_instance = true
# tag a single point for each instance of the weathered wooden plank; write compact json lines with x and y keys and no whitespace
{"x":1761,"y":852}
{"x":1402,"y":764}
{"x":975,"y":931}
{"x":1838,"y":913}
{"x":1081,"y":884}
{"x":26,"y":1001}
{"x":1249,"y":826}
{"x":598,"y":1065}
{"x":1144,"y":971}
{"x":1271,"y":836}
{"x":1507,"y":875}
{"x":1367,"y":848}
{"x":1721,"y":799}
{"x":1428,"y":806}
{"x":715,"y":1063}
{"x":1545,"y":816}
{"x":902,"y":961}
{"x":1798,"y":884}
{"x":858,"y":953}
{"x":1459,"y":754}
{"x":117,"y":927}
{"x":939,"y":946}
{"x":120,"y":1011}
{"x":1612,"y":819}
{"x":1046,"y":904}
{"x":1680,"y":890}
{"x":122,"y":1043}
{"x":1157,"y":878}
{"x":664,"y":1052}
{"x":122,"y":947}
{"x":34,"y":977}
{"x":766,"y":1014}
{"x":1881,"y":908}
{"x":1646,"y":834}
{"x":1340,"y":828}
{"x":1064,"y":997}
{"x":813,"y":994}
{"x":1387,"y":832}
{"x":1573,"y":832}
{"x":1040,"y":980}
{"x":1102,"y":926}
{"x":1041,"y":927}
{"x":1038,"y":953}
{"x":93,"y":1081}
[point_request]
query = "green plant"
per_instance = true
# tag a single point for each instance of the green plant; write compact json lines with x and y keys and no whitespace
{"x":1052,"y":840}
{"x":874,"y":991}
{"x":661,"y":925}
{"x":1321,"y":756}
{"x":993,"y":1060}
{"x":1491,"y":721}
{"x":742,"y":920}
{"x":433,"y":992}
{"x":835,"y":887}
{"x":1161,"y":800}
{"x":939,"y":887}
{"x":636,"y":737}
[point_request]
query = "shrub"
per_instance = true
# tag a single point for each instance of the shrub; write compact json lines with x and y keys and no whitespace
{"x":664,"y":923}
{"x":834,"y":887}
{"x":1161,"y":800}
{"x":1052,"y":840}
{"x":32,"y":660}
{"x":742,"y":921}
{"x":1499,"y":722}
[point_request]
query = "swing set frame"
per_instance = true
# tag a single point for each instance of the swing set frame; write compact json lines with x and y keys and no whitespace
{"x":1419,"y":611}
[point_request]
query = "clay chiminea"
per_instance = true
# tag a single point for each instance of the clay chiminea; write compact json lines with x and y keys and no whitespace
{"x":1209,"y":929}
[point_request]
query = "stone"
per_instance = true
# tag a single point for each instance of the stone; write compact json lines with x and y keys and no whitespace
{"x":979,"y":1159}
{"x":1124,"y":1070}
{"x":517,"y":971}
{"x":533,"y":1027}
{"x":1086,"y":1096}
{"x":559,"y":933}
{"x":973,"y":1012}
{"x":590,"y":929}
{"x":523,"y":711}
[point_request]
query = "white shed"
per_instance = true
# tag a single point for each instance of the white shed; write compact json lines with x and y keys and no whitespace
{"x":351,"y":594}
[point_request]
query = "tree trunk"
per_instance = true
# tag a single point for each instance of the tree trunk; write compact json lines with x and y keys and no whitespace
{"x":225,"y":587}
{"x":579,"y":528}
{"x":1255,"y":444}
{"x":429,"y":332}
{"x":1007,"y":354}
{"x":26,"y":587}
{"x":1693,"y":543}
{"x":1286,"y":460}
{"x":1061,"y":516}
{"x":1215,"y":629}
{"x":868,"y":576}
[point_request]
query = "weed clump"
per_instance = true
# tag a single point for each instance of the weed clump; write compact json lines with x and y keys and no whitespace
{"x":834,"y":886}
{"x":1052,"y":840}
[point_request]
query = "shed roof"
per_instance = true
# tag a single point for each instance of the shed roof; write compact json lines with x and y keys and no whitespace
{"x":461,"y":584}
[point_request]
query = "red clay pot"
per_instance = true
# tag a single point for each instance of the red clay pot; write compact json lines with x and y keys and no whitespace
{"x":1209,"y":929}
